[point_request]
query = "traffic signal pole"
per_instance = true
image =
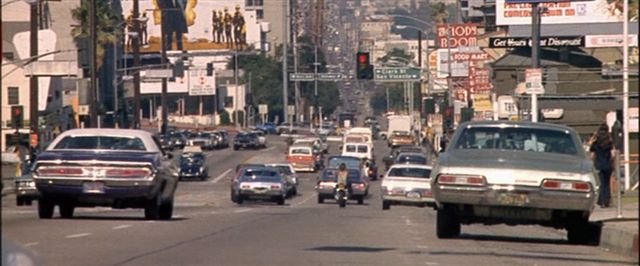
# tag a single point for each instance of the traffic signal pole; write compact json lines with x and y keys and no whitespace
{"x":33,"y":80}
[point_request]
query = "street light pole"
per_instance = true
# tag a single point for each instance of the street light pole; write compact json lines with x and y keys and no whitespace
{"x":285,"y":40}
{"x":94,"y":84}
{"x":535,"y":54}
{"x":33,"y":81}
{"x":163,"y":96}
{"x":315,"y":79}
{"x":136,"y":60}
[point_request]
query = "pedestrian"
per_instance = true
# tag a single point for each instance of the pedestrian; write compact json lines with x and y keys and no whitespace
{"x":602,"y":153}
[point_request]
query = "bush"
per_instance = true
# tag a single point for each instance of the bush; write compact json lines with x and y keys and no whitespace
{"x":224,"y":118}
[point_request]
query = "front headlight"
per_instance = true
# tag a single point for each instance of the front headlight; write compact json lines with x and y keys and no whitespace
{"x":201,"y":169}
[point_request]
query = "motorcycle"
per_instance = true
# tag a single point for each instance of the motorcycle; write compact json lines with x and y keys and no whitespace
{"x":341,"y":195}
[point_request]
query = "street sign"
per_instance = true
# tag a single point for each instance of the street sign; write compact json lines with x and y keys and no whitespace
{"x":157,"y":73}
{"x":263,"y":109}
{"x":533,"y":81}
{"x":200,"y":84}
{"x":329,"y":76}
{"x":83,"y":109}
{"x":391,"y":74}
{"x":291,"y":109}
{"x":301,"y":76}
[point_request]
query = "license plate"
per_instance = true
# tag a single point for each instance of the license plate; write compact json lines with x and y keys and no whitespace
{"x":413,"y":195}
{"x":93,"y":187}
{"x":513,"y":199}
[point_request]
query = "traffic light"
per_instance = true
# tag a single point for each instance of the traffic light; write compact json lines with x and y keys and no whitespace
{"x":17,"y":116}
{"x":429,"y":105}
{"x":178,"y":69}
{"x":364,"y":67}
{"x":209,"y":69}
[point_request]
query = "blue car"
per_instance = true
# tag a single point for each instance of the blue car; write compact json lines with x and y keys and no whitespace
{"x":268,"y":128}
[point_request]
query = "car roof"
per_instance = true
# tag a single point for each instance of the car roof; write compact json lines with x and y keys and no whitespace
{"x":411,"y":154}
{"x":505,"y":123}
{"x":411,"y":166}
{"x":145,"y":136}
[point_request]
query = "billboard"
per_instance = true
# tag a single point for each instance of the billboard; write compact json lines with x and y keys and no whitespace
{"x":193,"y":25}
{"x":596,"y":11}
{"x":454,"y":35}
{"x":195,"y":82}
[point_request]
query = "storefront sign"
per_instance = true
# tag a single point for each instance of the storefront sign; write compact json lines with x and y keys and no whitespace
{"x":592,"y":41}
{"x":560,"y":41}
{"x":454,"y":35}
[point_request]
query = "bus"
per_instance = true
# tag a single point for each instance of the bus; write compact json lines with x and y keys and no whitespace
{"x":343,"y":117}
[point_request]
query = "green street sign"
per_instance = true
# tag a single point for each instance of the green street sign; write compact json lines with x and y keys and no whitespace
{"x":301,"y":76}
{"x":396,"y":74}
{"x":329,"y":76}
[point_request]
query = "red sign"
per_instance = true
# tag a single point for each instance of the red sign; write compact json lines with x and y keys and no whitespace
{"x":454,"y":35}
{"x":34,"y":139}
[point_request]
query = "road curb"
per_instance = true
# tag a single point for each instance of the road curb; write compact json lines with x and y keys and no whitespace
{"x":617,"y":238}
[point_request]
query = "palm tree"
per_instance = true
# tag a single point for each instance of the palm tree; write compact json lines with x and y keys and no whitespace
{"x":439,"y":12}
{"x":107,"y":26}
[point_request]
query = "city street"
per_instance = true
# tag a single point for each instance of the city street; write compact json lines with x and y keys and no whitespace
{"x":208,"y":229}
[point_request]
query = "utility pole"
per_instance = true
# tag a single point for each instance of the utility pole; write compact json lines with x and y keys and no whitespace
{"x":33,"y":80}
{"x":285,"y":78}
{"x":95,"y":102}
{"x":295,"y":62}
{"x":236,"y":96}
{"x":535,"y":54}
{"x":163,"y":96}
{"x":136,"y":62}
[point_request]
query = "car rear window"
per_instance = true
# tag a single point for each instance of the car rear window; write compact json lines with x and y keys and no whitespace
{"x":302,"y":151}
{"x":350,"y":148}
{"x":412,"y":159}
{"x":523,"y":139}
{"x":350,"y":163}
{"x":363,"y":148}
{"x":100,"y":143}
{"x":410,"y":172}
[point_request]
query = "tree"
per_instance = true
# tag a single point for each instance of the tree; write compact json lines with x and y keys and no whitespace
{"x":396,"y":54}
{"x":439,"y":12}
{"x":107,"y":30}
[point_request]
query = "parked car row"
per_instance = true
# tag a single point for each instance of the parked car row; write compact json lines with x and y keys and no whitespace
{"x":207,"y":140}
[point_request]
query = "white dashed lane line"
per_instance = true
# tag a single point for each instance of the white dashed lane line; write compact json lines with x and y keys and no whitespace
{"x":221,"y":176}
{"x":122,"y":226}
{"x":78,"y":235}
{"x":31,"y":244}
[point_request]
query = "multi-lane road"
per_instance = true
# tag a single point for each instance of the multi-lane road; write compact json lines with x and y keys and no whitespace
{"x":208,"y":229}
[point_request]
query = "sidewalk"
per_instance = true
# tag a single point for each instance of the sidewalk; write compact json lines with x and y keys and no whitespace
{"x":619,"y":235}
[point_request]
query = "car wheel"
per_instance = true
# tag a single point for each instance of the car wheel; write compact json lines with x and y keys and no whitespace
{"x":320,"y":200}
{"x":239,"y":199}
{"x":28,"y":202}
{"x":386,"y":205}
{"x":280,"y":200}
{"x":165,"y":211}
{"x":295,"y":191}
{"x":361,"y":200}
{"x":45,"y":208}
{"x":235,"y":148}
{"x":152,"y":210}
{"x":66,"y":210}
{"x":19,"y":201}
{"x":580,"y":232}
{"x":234,"y":198}
{"x":447,"y":224}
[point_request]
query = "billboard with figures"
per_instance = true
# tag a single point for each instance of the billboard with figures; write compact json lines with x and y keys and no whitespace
{"x":192,"y":25}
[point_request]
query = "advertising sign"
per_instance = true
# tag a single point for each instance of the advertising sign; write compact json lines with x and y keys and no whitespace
{"x":482,"y":102}
{"x":200,"y":84}
{"x":263,"y":109}
{"x":193,"y":25}
{"x":533,"y":81}
{"x":593,"y":41}
{"x":458,"y":69}
{"x":596,"y":11}
{"x":454,"y":35}
{"x":559,"y":41}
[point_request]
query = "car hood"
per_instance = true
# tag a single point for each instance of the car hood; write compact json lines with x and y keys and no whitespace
{"x":186,"y":167}
{"x":115,"y":156}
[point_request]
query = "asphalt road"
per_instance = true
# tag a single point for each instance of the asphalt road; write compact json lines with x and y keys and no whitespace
{"x":208,"y":229}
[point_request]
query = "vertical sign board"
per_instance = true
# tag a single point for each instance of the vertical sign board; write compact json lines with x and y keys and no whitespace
{"x":533,"y":81}
{"x":263,"y":109}
{"x":200,"y":84}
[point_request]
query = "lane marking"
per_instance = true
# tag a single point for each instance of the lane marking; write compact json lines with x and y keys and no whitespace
{"x":303,"y":201}
{"x":422,"y":246}
{"x":78,"y":235}
{"x":122,"y":226}
{"x":242,"y":210}
{"x":30,"y":244}
{"x":221,"y":176}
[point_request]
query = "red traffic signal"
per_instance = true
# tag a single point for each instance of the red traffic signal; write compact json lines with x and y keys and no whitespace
{"x":364,"y":68}
{"x":17,"y":116}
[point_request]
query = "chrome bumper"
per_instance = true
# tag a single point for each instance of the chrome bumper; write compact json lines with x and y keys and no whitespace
{"x":514,"y":196}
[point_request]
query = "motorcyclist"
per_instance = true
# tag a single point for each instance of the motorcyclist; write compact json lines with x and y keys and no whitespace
{"x":342,"y":175}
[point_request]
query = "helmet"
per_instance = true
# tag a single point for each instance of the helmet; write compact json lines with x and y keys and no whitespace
{"x":343,"y":167}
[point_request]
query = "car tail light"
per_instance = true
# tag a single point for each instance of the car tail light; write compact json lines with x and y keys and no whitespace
{"x":370,"y":172}
{"x":461,"y":180}
{"x":127,"y":173}
{"x":427,"y":193}
{"x":358,"y":186}
{"x":566,"y":185}
{"x":275,"y":187}
{"x":60,"y":171}
{"x":245,"y":186}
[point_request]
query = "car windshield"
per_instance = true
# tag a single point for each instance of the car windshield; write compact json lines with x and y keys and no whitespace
{"x":400,"y":133}
{"x":350,"y":163}
{"x":363,"y":148}
{"x":521,"y":139}
{"x":301,"y":151}
{"x":285,"y":169}
{"x":412,"y":159}
{"x":100,"y":143}
{"x":410,"y":172}
{"x":204,"y":135}
{"x":190,"y":160}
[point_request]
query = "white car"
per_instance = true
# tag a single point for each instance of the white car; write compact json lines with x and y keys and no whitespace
{"x":262,"y":138}
{"x":407,"y":184}
{"x":361,"y":150}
